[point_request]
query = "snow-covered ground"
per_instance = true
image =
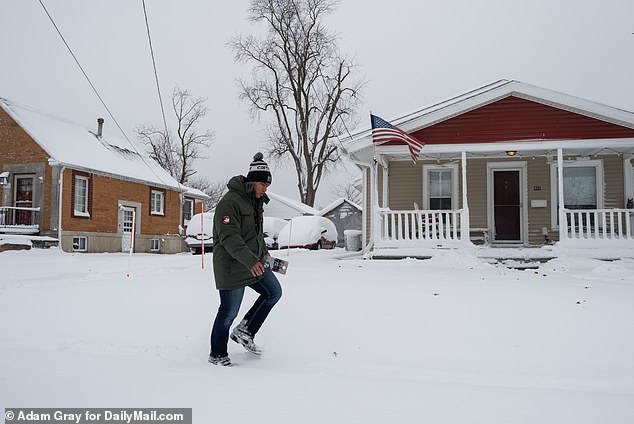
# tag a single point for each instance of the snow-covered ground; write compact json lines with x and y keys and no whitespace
{"x":452,"y":339}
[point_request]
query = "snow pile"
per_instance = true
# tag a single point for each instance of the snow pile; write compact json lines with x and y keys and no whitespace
{"x":15,"y":240}
{"x":452,"y":339}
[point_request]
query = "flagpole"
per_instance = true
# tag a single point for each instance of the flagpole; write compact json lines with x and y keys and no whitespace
{"x":385,"y":132}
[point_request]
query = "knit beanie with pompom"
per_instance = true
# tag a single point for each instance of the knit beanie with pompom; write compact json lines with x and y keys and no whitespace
{"x":259,"y":170}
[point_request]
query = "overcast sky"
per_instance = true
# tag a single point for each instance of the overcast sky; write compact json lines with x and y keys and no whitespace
{"x":413,"y":54}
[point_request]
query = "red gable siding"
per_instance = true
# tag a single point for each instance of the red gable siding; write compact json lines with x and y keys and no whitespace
{"x":513,"y":118}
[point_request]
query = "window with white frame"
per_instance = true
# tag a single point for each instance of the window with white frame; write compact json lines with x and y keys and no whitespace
{"x":155,"y":245}
{"x":157,"y":201}
{"x":440,"y":191}
{"x":80,"y":207}
{"x":580,"y":187}
{"x":80,"y":244}
{"x":582,"y":183}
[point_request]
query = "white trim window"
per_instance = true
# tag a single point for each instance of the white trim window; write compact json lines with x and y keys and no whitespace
{"x":157,"y":202}
{"x":80,"y":244}
{"x":81,"y":196}
{"x":583,"y":186}
{"x":155,"y":245}
{"x":440,"y":187}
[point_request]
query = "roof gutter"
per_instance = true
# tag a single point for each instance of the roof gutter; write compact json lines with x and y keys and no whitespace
{"x":59,"y":206}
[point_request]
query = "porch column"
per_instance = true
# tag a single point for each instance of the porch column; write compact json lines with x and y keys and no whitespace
{"x":464,"y":222}
{"x":374,"y":183}
{"x":563,"y":230}
{"x":384,"y":177}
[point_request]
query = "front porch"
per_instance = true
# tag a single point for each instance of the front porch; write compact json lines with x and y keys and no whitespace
{"x":599,"y":224}
{"x":548,"y":179}
{"x":425,"y":228}
{"x":444,"y":228}
{"x":19,"y":220}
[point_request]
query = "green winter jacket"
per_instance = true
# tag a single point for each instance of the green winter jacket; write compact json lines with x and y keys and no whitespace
{"x":238,"y":236}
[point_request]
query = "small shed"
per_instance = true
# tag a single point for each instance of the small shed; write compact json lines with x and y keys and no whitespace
{"x":346,"y":215}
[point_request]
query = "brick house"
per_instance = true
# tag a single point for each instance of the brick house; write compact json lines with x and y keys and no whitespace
{"x":92,"y":192}
{"x":504,"y":164}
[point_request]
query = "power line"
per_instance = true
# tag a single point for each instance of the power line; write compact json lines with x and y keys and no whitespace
{"x":98,"y":95}
{"x":158,"y":88}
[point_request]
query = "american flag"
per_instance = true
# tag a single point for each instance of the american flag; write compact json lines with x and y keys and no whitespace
{"x":383,"y":131}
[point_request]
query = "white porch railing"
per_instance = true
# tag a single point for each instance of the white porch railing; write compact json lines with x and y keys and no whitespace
{"x":599,"y":224}
{"x":420,"y":227}
{"x":434,"y":227}
{"x":19,"y":220}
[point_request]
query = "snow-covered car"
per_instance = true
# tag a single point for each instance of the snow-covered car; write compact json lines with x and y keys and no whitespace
{"x":308,"y":232}
{"x":199,"y":231}
{"x":272,"y":228}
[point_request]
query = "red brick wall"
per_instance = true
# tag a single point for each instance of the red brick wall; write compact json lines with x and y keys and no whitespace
{"x":104,"y":196}
{"x":17,"y":147}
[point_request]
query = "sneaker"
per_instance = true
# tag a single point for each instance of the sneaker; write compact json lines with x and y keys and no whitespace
{"x":242,"y":336}
{"x":220,"y":360}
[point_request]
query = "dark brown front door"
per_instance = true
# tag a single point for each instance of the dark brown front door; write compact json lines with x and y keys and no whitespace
{"x":23,"y":199}
{"x":506,"y":205}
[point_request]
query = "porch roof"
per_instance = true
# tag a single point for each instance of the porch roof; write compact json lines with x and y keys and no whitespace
{"x":522,"y":148}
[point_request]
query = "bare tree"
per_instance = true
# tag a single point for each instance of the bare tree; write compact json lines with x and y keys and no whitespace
{"x":213,"y":189}
{"x":302,"y":80}
{"x":177,"y":154}
{"x":349,"y":191}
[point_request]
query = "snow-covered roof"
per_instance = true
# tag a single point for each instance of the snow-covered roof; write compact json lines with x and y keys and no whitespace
{"x":293,"y":204}
{"x":69,"y":144}
{"x":196,"y":193}
{"x":336,"y":204}
{"x":428,"y":116}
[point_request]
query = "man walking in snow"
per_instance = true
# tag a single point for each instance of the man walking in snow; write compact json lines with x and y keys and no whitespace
{"x":239,"y":259}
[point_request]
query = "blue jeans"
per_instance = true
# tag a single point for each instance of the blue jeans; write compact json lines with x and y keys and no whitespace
{"x":270,"y":292}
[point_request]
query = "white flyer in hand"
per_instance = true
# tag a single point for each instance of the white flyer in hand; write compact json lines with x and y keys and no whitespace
{"x":277,"y":264}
